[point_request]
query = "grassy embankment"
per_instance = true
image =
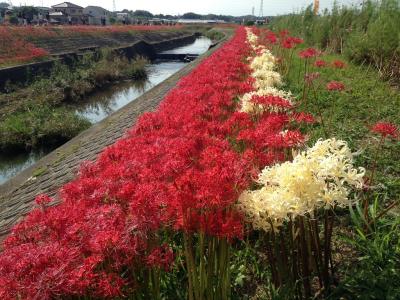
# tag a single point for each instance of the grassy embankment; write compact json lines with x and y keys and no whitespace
{"x":366,"y":251}
{"x":21,"y":44}
{"x":366,"y":34}
{"x":368,"y":37}
{"x":214,"y":35}
{"x":35,"y":115}
{"x":349,"y":115}
{"x":368,"y":241}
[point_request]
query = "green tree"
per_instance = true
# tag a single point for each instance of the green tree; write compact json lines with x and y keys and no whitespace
{"x":142,"y":13}
{"x":191,"y":15}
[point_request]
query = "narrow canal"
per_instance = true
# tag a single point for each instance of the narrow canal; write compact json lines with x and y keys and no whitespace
{"x":101,"y":104}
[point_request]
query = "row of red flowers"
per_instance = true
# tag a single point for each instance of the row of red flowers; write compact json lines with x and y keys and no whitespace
{"x":16,"y":41}
{"x":14,"y":49}
{"x":32,"y":32}
{"x":180,"y":168}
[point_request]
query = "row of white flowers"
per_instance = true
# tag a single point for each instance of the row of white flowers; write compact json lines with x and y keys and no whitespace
{"x":319,"y":177}
{"x":267,"y":80}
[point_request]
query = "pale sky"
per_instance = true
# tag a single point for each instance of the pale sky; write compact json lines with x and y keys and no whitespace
{"x":175,"y":7}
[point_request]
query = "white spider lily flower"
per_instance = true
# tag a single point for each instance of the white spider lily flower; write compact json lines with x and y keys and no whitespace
{"x":320,"y":177}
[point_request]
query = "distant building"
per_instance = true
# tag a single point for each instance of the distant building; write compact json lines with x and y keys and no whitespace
{"x":57,"y":17}
{"x":123,"y":17}
{"x":260,"y":22}
{"x":155,"y":21}
{"x":168,"y":22}
{"x":43,"y":15}
{"x":97,"y":15}
{"x":70,"y":13}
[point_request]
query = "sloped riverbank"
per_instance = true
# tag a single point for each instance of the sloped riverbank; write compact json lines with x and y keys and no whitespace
{"x":99,"y":105}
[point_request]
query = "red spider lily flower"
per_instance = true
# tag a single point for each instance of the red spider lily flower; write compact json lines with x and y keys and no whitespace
{"x":174,"y":170}
{"x":311,"y":77}
{"x":287,"y":44}
{"x":259,"y":51}
{"x":181,"y":167}
{"x":293,"y":138}
{"x":386,"y":129}
{"x":291,"y":42}
{"x":335,"y":86}
{"x":256,"y":30}
{"x":283,"y":33}
{"x":161,"y":257}
{"x":271,"y":37}
{"x":110,"y":286}
{"x":338,"y":64}
{"x":308,"y":53}
{"x":319,"y":63}
{"x":303,"y":117}
{"x":43,"y":200}
{"x":274,"y":101}
{"x":297,"y":41}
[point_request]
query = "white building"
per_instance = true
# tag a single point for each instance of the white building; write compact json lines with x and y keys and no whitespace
{"x":123,"y":17}
{"x":70,"y":13}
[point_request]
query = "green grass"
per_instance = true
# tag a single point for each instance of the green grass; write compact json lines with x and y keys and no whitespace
{"x":36,"y":114}
{"x":214,"y":35}
{"x":349,"y":114}
{"x":71,"y":83}
{"x":39,"y":126}
{"x":39,"y":171}
{"x":375,"y":273}
{"x":367,"y":33}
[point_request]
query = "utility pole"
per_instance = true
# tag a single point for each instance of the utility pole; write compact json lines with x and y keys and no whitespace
{"x":114,"y":6}
{"x":261,"y":8}
{"x":316,"y":7}
{"x":252,"y":11}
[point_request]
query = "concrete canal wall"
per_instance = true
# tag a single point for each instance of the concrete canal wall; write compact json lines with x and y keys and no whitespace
{"x":143,"y":45}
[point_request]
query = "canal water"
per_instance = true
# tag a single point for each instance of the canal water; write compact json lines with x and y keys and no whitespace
{"x":101,"y":104}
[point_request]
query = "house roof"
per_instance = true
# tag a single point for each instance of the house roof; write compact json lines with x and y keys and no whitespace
{"x":66,"y":5}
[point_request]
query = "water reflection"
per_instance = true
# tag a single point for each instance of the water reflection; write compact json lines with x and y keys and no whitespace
{"x":12,"y":164}
{"x":101,"y":104}
{"x":200,"y":46}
